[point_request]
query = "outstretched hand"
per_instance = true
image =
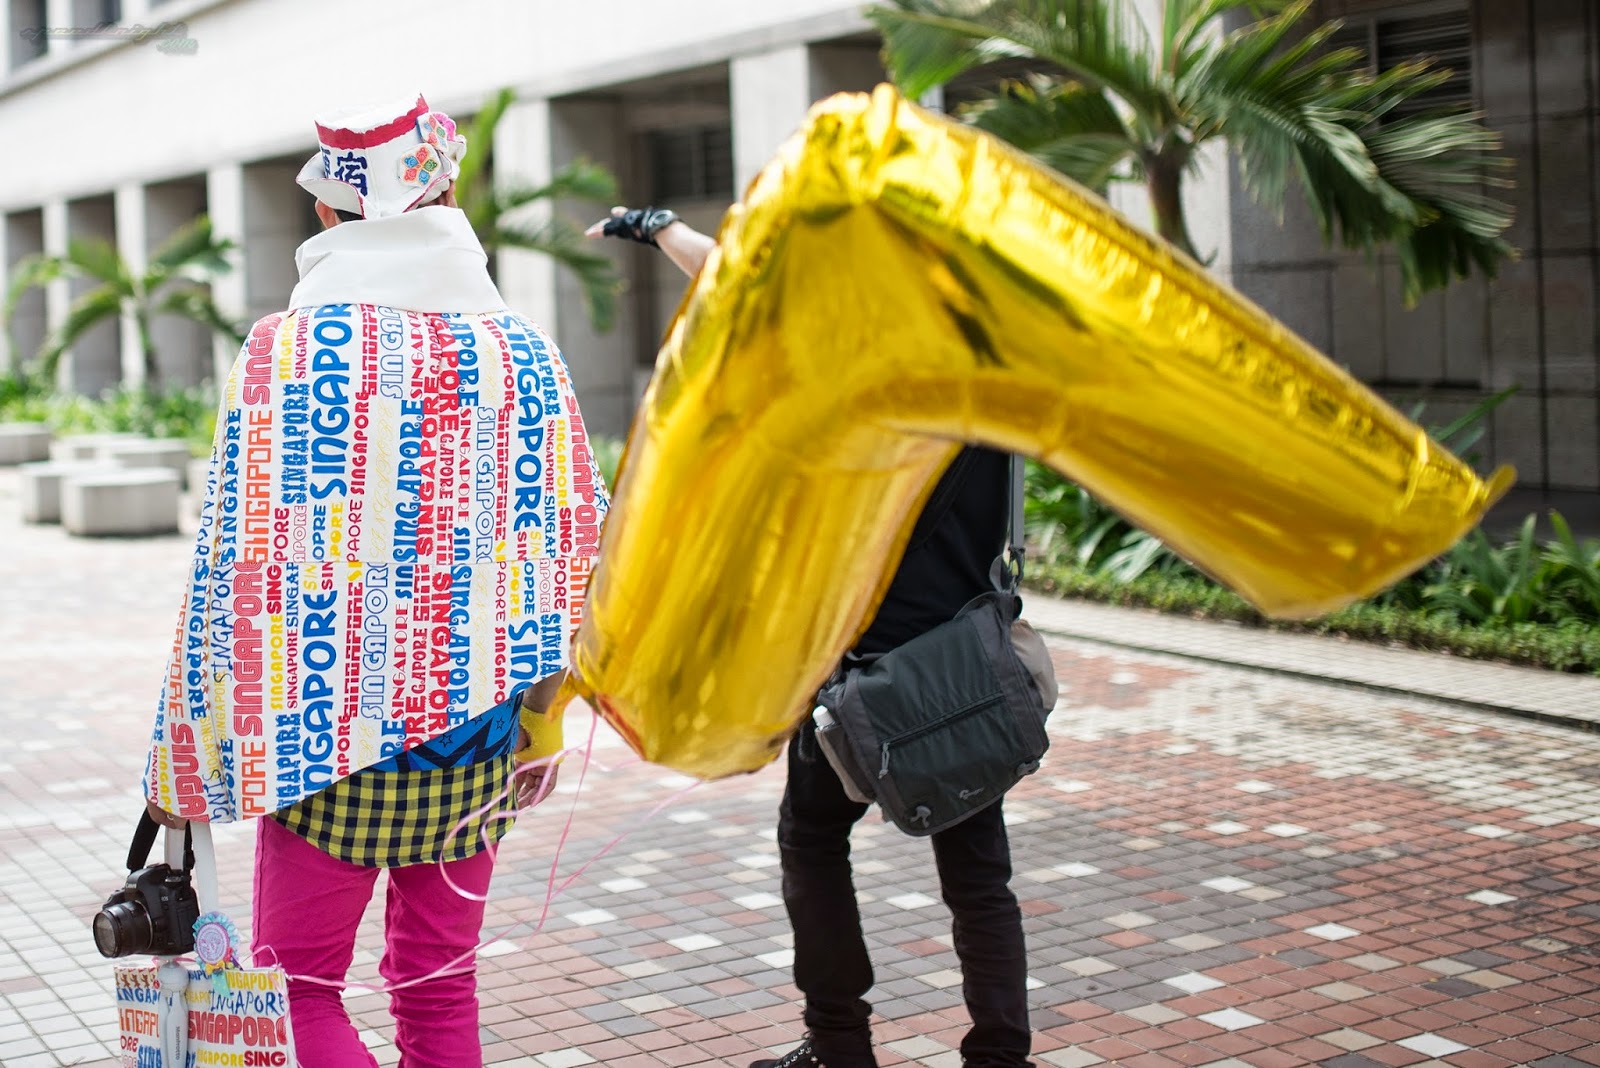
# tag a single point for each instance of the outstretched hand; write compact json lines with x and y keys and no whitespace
{"x":684,"y":246}
{"x":633,"y":224}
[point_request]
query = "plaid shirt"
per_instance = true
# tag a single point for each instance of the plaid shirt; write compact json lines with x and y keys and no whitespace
{"x":401,"y":811}
{"x":388,"y":819}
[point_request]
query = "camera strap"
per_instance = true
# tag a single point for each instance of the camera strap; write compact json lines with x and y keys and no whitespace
{"x":205,"y":872}
{"x":144,"y":836}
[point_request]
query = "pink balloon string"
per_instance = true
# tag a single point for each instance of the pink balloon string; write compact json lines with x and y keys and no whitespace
{"x":492,"y":813}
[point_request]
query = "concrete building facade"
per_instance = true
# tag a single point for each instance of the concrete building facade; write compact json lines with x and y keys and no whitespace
{"x":684,"y":102}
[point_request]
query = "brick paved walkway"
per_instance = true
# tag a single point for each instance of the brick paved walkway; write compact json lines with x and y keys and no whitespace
{"x":1218,"y":866}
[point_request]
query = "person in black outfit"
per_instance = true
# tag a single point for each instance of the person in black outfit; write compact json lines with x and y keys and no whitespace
{"x":961,"y":530}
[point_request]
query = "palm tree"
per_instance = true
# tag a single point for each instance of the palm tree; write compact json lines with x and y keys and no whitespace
{"x":172,"y":283}
{"x":499,"y":217}
{"x":1122,"y":106}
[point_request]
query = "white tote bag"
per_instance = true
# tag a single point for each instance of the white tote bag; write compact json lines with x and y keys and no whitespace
{"x":214,"y":1012}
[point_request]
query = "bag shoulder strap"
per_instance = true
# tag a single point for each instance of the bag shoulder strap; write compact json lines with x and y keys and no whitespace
{"x":1007,"y":569}
{"x":206,"y":891}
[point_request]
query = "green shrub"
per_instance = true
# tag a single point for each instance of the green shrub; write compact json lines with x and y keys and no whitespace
{"x":607,"y":455}
{"x":1574,"y":571}
{"x":24,"y":397}
{"x":1476,"y":582}
{"x":1573,"y":645}
{"x":185,"y":414}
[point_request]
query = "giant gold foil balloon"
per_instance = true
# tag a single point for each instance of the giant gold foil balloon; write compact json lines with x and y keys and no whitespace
{"x":894,"y":284}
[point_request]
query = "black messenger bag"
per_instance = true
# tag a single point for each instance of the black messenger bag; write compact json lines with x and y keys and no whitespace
{"x":944,"y":725}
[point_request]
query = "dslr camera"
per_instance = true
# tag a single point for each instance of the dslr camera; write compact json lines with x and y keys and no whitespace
{"x":156,"y":908}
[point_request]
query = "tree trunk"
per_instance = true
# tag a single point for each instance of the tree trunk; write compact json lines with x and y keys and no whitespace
{"x":148,"y":345}
{"x":1165,"y":180}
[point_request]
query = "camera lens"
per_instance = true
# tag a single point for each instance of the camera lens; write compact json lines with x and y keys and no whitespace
{"x":122,"y":929}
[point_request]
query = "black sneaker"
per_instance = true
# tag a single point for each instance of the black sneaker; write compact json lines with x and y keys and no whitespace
{"x":802,"y":1056}
{"x":805,"y":1055}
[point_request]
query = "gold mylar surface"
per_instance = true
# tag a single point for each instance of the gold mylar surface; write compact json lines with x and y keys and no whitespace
{"x":893,"y":284}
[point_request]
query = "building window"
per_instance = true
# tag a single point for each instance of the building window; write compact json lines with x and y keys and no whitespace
{"x":29,"y":18}
{"x":691,"y":163}
{"x":89,"y":14}
{"x":1441,"y":35}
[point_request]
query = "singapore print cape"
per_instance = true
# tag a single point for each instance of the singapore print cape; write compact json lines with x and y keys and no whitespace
{"x":398,"y":526}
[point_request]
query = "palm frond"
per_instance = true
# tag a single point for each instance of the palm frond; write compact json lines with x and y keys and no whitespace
{"x":193,"y":246}
{"x":100,"y":260}
{"x":196,"y":305}
{"x":29,"y":273}
{"x":1067,"y":126}
{"x":88,"y":311}
{"x":923,"y":48}
{"x":480,"y":140}
{"x":564,"y":244}
{"x":494,"y":212}
{"x":1444,"y":164}
{"x":1294,"y":110}
{"x":1462,"y":432}
{"x":581,"y":179}
{"x":1101,"y":43}
{"x":1184,"y":21}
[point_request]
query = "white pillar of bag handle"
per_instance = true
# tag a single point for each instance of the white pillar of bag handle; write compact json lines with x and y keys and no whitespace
{"x":205,"y":862}
{"x":173,"y":1009}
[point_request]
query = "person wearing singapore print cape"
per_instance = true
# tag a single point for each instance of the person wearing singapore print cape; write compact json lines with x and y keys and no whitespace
{"x":398,"y":527}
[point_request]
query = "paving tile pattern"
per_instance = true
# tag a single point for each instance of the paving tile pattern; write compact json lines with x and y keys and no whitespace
{"x":1216,"y":866}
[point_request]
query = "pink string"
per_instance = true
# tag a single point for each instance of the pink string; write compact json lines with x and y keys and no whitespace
{"x":492,"y":813}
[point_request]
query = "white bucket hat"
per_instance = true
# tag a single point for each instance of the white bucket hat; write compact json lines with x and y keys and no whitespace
{"x":382,"y":161}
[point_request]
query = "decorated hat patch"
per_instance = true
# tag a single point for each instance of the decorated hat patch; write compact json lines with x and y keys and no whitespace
{"x":420,"y":165}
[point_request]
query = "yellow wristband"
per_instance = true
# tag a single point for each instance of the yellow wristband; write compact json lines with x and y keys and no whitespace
{"x":544,"y":733}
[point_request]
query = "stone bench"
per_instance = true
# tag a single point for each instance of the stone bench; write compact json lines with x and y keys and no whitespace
{"x":87,"y":446}
{"x":39,"y":486}
{"x":167,"y":454}
{"x":23,"y":443}
{"x":126,"y":502}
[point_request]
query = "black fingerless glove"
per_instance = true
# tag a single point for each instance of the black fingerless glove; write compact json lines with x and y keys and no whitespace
{"x":639,"y":224}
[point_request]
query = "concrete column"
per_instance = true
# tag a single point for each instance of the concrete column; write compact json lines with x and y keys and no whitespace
{"x":602,"y":364}
{"x":182,"y":346}
{"x":225,"y":205}
{"x":58,"y":15}
{"x":844,"y":68}
{"x":95,"y":364}
{"x":21,"y":19}
{"x":1207,"y":206}
{"x":769,"y":93}
{"x":131,"y":246}
{"x":57,"y":295}
{"x":522,"y":155}
{"x":277,"y":217}
{"x":24,"y":237}
{"x":7,"y":259}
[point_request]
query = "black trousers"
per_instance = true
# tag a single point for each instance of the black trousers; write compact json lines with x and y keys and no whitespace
{"x":831,"y":966}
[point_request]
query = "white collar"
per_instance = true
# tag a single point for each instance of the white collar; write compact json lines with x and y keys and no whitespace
{"x":426,"y":260}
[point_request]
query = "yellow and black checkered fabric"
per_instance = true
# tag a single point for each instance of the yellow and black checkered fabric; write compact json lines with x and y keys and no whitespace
{"x":388,"y":819}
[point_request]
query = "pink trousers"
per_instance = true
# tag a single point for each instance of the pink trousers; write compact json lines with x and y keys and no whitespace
{"x":307,"y":908}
